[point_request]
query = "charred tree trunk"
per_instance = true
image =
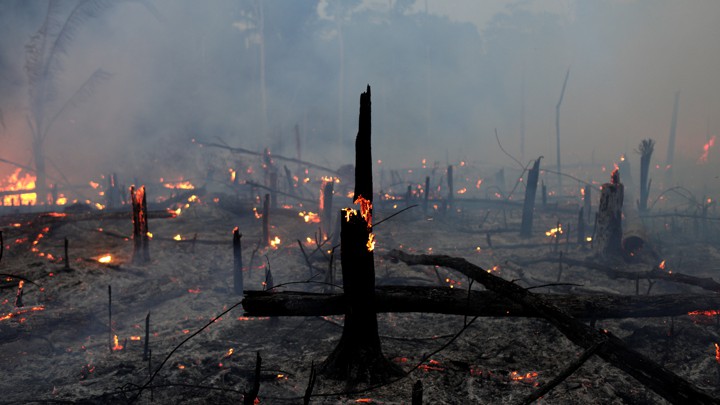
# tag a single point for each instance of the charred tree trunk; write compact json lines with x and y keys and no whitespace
{"x":608,"y":239}
{"x":237,"y":262}
{"x":434,"y":300}
{"x":581,"y":227}
{"x":529,"y":205}
{"x":646,"y":150}
{"x":358,"y":356}
{"x":141,"y":237}
{"x":326,"y":208}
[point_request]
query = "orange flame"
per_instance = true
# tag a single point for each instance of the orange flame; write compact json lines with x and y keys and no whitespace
{"x":20,"y":312}
{"x":310,"y":216}
{"x":365,"y":209}
{"x":275,"y":242}
{"x":717,"y":353}
{"x":105,"y":259}
{"x":116,"y":344}
{"x":706,"y":149}
{"x":554,"y":232}
{"x":661,"y":266}
{"x":371,"y":242}
{"x":183,"y":185}
{"x":14,"y":183}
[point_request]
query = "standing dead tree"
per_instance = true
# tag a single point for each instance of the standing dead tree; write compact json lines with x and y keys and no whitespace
{"x":529,"y":204}
{"x":141,"y":232}
{"x":645,"y":150}
{"x":609,"y":216}
{"x":557,"y":129}
{"x":358,"y":355}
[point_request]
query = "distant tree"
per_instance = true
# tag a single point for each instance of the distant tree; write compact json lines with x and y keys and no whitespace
{"x":44,"y":54}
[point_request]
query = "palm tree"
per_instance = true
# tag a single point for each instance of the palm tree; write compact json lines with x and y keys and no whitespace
{"x":44,"y":54}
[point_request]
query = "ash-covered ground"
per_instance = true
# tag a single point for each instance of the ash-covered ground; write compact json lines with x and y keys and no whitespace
{"x":60,"y":353}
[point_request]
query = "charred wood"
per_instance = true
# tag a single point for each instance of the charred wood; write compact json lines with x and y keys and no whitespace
{"x":450,"y":301}
{"x":529,"y":204}
{"x":611,"y":349}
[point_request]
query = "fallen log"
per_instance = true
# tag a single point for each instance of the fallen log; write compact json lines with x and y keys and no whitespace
{"x":611,"y":348}
{"x":454,"y":301}
{"x":706,"y":283}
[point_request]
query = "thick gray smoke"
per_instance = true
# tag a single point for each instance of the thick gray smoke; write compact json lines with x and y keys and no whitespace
{"x":444,"y":76}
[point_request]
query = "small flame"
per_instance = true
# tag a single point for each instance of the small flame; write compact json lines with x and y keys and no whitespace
{"x":116,"y":344}
{"x":135,"y":338}
{"x":365,"y":209}
{"x":105,"y":259}
{"x":371,"y":242}
{"x":462,"y":190}
{"x":554,"y":232}
{"x":229,"y":352}
{"x":479,"y":183}
{"x":183,"y":185}
{"x":177,"y":237}
{"x":717,"y":353}
{"x":93,"y":184}
{"x":149,"y":235}
{"x":309,"y":216}
{"x":661,"y":266}
{"x":275,"y":242}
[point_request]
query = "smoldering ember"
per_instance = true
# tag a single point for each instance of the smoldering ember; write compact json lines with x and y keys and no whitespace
{"x":322,"y":202}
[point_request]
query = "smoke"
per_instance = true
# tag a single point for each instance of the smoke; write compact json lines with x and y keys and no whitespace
{"x":444,"y":76}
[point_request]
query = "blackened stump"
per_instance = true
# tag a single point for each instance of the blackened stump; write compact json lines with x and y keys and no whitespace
{"x":141,"y":237}
{"x":529,"y":204}
{"x":237,"y":262}
{"x":609,"y":217}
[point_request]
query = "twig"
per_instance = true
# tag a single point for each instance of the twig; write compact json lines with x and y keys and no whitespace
{"x":571,"y":368}
{"x":147,"y":384}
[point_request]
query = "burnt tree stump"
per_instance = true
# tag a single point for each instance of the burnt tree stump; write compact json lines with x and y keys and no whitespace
{"x":358,"y":355}
{"x":141,"y":232}
{"x":608,"y":239}
{"x":237,"y":262}
{"x":529,"y":204}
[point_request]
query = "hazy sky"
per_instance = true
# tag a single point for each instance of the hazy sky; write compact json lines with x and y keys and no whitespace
{"x":442,"y":83}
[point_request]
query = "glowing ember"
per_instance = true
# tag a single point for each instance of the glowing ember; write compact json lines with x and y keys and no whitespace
{"x":717,"y":353}
{"x":661,"y":266}
{"x":364,"y":401}
{"x":105,"y":259}
{"x":177,"y":237}
{"x":528,"y":377}
{"x":230,"y":352}
{"x":94,"y":185}
{"x":462,"y":190}
{"x":183,"y":185}
{"x":15,"y":182}
{"x":554,"y":232}
{"x":479,"y":183}
{"x":150,"y":235}
{"x":116,"y":344}
{"x":275,"y":242}
{"x":194,"y":290}
{"x":706,"y":149}
{"x":20,"y":312}
{"x":309,"y":216}
{"x":135,"y":338}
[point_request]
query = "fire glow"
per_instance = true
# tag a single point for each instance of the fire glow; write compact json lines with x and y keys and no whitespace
{"x":182,"y":185}
{"x":16,"y":182}
{"x":105,"y":259}
{"x":706,"y":150}
{"x":116,"y":344}
{"x":309,"y":216}
{"x":554,"y":232}
{"x":20,"y":312}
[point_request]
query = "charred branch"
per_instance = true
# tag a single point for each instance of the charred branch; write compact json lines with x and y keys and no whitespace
{"x":612,"y":349}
